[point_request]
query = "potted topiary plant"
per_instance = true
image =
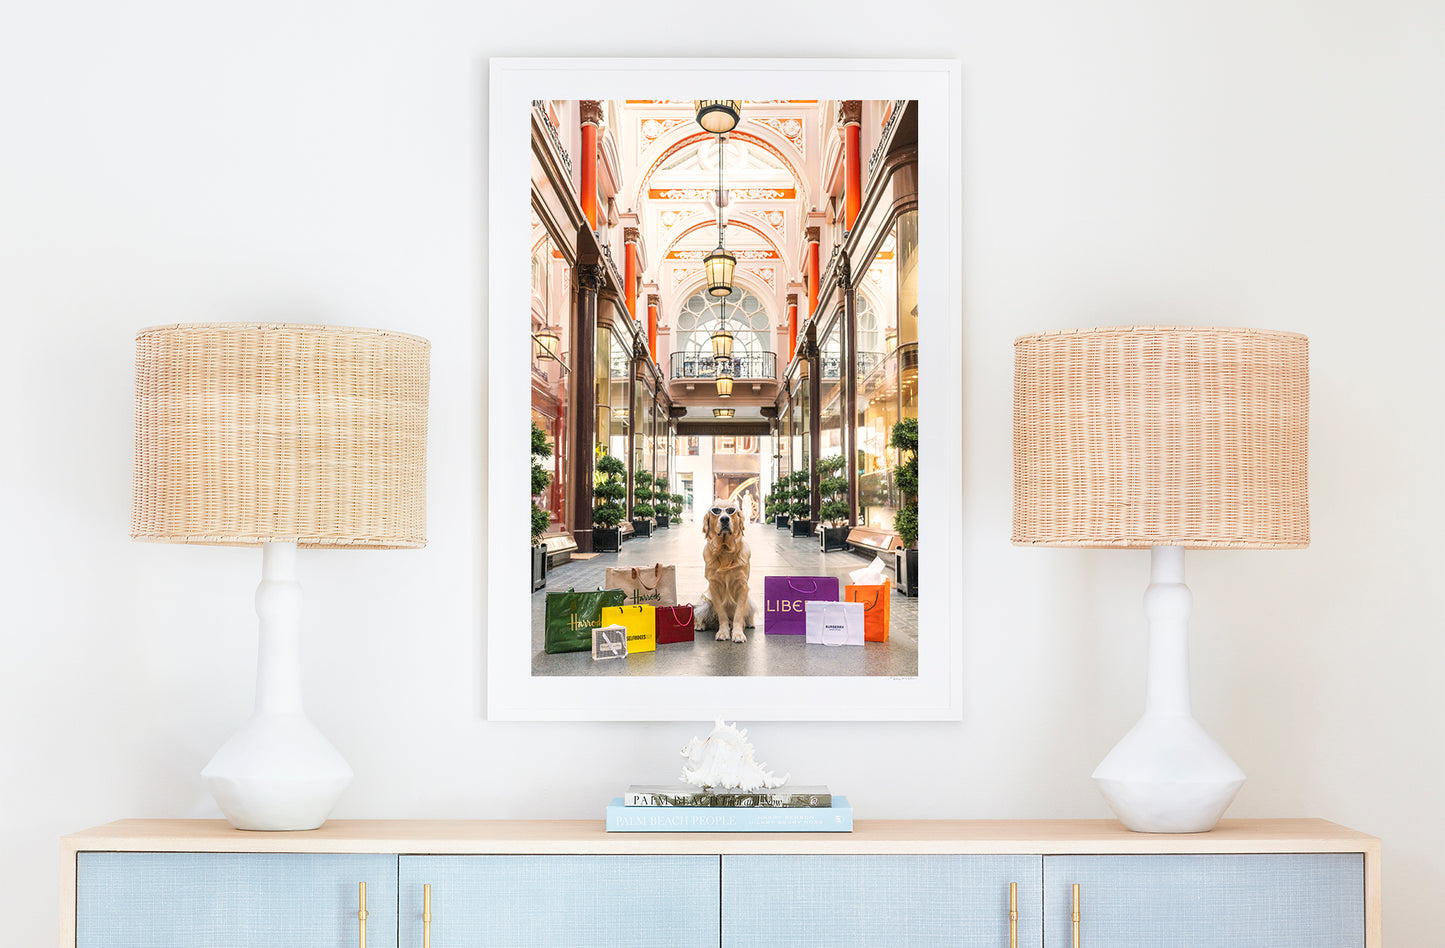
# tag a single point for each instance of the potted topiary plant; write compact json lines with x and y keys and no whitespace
{"x":801,"y":492}
{"x":904,"y":437}
{"x":833,"y":511}
{"x":772,"y":504}
{"x":609,"y":491}
{"x":662,"y":502}
{"x":541,"y":519}
{"x":677,"y":500}
{"x":642,"y":509}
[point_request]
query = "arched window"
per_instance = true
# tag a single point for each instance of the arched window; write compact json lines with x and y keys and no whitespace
{"x":747,"y":319}
{"x":871,"y":343}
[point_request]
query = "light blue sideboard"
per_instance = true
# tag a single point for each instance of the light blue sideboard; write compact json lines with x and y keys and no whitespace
{"x":553,"y":884}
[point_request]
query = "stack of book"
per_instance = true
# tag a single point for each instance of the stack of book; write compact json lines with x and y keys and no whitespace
{"x":684,"y":809}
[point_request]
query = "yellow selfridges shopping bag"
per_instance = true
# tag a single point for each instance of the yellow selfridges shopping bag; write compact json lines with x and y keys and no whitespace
{"x":640,"y":622}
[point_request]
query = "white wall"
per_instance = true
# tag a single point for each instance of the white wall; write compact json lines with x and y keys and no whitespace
{"x":1211,"y":161}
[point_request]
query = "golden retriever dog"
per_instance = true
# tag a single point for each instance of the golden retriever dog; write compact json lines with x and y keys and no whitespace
{"x":726,"y":562}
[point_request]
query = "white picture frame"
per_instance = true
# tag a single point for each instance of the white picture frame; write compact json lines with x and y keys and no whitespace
{"x":513,"y":692}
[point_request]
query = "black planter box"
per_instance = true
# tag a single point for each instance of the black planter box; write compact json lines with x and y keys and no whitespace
{"x":833,"y":538}
{"x":663,"y":520}
{"x":539,"y":567}
{"x":803,"y":528}
{"x":606,"y":539}
{"x":905,"y":572}
{"x":782,"y":521}
{"x":642,"y":528}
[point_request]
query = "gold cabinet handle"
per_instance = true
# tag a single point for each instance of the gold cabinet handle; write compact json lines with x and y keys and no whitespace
{"x":361,"y":912}
{"x":1013,"y":915}
{"x":426,"y":916}
{"x":1076,"y":915}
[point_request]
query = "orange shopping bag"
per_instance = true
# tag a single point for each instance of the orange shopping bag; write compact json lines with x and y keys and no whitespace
{"x":875,"y":600}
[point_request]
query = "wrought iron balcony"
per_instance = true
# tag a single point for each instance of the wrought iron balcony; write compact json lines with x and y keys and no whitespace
{"x":690,"y":365}
{"x":832,"y":365}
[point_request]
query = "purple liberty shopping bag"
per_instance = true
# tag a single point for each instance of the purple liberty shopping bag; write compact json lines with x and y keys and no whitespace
{"x":784,"y":598}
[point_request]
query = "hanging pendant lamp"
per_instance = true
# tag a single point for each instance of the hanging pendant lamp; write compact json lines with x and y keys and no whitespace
{"x":722,"y":344}
{"x":719,"y":268}
{"x":722,"y":412}
{"x":718,"y":116}
{"x":724,"y":384}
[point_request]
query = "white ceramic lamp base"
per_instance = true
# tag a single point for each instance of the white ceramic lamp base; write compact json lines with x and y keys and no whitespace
{"x":1167,"y":775}
{"x":278,"y":772}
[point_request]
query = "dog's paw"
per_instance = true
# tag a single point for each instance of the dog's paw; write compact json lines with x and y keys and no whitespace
{"x":722,"y":635}
{"x":738,"y":636}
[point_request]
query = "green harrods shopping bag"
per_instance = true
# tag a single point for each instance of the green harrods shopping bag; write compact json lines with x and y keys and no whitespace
{"x":572,"y":615}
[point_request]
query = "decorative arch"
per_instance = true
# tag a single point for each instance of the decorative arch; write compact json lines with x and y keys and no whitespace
{"x":745,"y":224}
{"x":761,"y":135}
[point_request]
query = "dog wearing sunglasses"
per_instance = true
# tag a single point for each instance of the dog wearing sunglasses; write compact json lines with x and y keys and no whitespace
{"x":726,"y":606}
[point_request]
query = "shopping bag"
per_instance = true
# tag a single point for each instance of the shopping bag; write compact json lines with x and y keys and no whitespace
{"x":876,"y":601}
{"x":834,"y":623}
{"x":640,"y":622}
{"x":784,"y":598}
{"x":609,"y":641}
{"x":572,"y":615}
{"x":649,"y":585}
{"x":674,"y":624}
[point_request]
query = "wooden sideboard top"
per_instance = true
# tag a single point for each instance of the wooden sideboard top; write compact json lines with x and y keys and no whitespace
{"x":968,"y":837}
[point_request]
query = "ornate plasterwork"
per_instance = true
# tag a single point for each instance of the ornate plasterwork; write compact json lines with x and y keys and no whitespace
{"x":651,"y":129}
{"x":850,"y":112}
{"x":737,"y":194}
{"x":590,"y":111}
{"x":740,"y":254}
{"x":768,"y":275}
{"x":789,"y":128}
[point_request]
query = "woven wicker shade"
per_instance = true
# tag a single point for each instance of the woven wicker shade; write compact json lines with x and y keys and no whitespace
{"x":1161,"y":436}
{"x":248,"y":433}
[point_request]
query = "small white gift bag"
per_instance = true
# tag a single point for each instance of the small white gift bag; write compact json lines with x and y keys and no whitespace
{"x":833,"y":623}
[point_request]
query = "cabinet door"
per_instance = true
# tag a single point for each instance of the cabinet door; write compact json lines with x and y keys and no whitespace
{"x":868,"y":901}
{"x":561,"y":901}
{"x":1308,"y":900}
{"x":231,"y":900}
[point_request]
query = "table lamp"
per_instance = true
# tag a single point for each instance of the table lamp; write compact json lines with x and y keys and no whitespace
{"x":1166,"y":438}
{"x":279,"y":436}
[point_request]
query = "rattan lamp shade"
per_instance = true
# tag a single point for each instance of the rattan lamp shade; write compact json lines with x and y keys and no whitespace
{"x":1161,"y":436}
{"x":248,"y":433}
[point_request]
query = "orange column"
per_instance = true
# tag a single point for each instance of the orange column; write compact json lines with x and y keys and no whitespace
{"x":629,"y":271}
{"x":652,"y":305}
{"x":852,"y":116}
{"x":792,"y":325}
{"x":591,"y":110}
{"x":814,"y":238}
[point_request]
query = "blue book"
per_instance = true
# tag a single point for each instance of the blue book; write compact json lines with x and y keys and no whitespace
{"x":837,"y":818}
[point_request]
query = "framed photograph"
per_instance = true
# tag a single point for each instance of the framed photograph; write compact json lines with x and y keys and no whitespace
{"x":737,"y":327}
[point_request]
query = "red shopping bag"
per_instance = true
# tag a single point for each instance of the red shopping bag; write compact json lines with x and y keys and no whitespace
{"x":674,"y":624}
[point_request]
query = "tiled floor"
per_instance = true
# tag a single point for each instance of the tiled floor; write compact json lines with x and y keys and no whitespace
{"x":774,"y":552}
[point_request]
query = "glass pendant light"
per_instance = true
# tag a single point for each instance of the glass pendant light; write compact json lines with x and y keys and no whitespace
{"x":718,"y":116}
{"x":719,"y":267}
{"x":722,"y":412}
{"x":722,"y":344}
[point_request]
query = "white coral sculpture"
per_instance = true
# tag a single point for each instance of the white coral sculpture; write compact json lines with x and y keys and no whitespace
{"x":724,"y":761}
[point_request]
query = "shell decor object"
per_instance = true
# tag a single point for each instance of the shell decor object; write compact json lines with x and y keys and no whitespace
{"x":724,"y":761}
